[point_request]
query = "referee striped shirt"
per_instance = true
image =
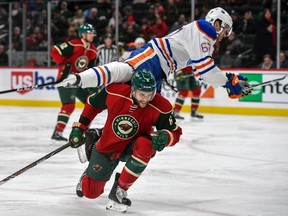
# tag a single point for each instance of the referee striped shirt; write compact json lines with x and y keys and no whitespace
{"x":106,"y":55}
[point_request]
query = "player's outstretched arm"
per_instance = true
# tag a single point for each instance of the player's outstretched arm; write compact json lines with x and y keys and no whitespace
{"x":114,"y":72}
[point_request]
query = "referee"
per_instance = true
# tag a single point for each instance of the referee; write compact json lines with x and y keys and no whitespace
{"x":107,"y":52}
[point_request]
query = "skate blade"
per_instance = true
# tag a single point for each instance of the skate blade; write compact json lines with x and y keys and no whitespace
{"x":81,"y":155}
{"x":195,"y":119}
{"x":114,"y":206}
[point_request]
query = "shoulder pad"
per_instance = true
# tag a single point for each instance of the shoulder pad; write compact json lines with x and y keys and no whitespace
{"x":119,"y":89}
{"x":162,"y":104}
{"x":207,"y":29}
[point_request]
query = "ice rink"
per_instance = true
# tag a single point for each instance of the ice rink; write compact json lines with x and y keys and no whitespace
{"x":223,"y":166}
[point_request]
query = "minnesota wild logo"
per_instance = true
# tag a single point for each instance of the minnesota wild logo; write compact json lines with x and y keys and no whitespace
{"x":125,"y":126}
{"x":81,"y":63}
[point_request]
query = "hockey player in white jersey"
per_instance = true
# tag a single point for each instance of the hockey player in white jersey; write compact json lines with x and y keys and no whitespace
{"x":191,"y":45}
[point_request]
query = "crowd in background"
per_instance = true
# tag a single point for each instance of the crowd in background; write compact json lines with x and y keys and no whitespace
{"x":253,"y":37}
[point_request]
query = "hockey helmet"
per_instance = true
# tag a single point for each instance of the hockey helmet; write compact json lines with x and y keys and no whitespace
{"x":220,"y":14}
{"x":86,"y":28}
{"x":144,"y":81}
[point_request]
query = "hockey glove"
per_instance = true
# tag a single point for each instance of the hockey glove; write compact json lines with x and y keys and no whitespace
{"x":235,"y":85}
{"x":159,"y":140}
{"x":72,"y":81}
{"x":180,"y":76}
{"x":77,"y":137}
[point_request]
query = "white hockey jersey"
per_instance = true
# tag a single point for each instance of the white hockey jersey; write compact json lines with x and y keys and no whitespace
{"x":190,"y":45}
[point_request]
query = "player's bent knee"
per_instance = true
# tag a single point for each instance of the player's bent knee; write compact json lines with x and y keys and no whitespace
{"x":92,"y":188}
{"x":143,"y":148}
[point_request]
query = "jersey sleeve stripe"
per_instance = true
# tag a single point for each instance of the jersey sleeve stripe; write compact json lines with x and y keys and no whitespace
{"x":103,"y":75}
{"x":199,"y":67}
{"x":165,"y":52}
{"x":161,"y":51}
{"x":98,"y":75}
{"x":171,"y":54}
{"x":207,"y":70}
{"x":108,"y":74}
{"x":140,"y":58}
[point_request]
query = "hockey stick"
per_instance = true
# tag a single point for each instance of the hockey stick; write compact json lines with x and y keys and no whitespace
{"x":247,"y":89}
{"x":66,"y":71}
{"x":34,"y":163}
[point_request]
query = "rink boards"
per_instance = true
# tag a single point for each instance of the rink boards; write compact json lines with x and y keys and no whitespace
{"x":269,"y":100}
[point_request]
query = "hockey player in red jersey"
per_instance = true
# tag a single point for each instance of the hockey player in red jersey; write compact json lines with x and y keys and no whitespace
{"x":186,"y":82}
{"x":81,"y":54}
{"x":191,"y":45}
{"x":127,"y":136}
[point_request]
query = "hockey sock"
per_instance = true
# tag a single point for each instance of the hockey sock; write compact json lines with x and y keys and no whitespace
{"x":63,"y":116}
{"x":142,"y":152}
{"x":180,"y":99}
{"x":195,"y":99}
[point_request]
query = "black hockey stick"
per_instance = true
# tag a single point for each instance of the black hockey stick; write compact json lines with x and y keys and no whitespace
{"x":247,"y":89}
{"x":66,"y":71}
{"x":34,"y":163}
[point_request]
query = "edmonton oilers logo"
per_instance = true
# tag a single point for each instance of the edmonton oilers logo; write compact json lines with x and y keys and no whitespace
{"x":125,"y":126}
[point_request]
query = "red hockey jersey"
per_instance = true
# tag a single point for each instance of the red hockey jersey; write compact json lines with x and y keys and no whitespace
{"x":126,"y":121}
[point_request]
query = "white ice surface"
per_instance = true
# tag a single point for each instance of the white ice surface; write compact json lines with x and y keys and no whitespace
{"x":223,"y":166}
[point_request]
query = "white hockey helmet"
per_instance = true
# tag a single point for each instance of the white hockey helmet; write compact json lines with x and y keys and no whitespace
{"x":220,"y":14}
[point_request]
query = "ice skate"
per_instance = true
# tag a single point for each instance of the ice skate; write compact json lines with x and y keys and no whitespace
{"x":118,"y":198}
{"x":57,"y":137}
{"x":177,"y":116}
{"x":196,"y":115}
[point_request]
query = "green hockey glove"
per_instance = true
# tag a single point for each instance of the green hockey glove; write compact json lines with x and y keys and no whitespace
{"x":159,"y":140}
{"x":77,"y":135}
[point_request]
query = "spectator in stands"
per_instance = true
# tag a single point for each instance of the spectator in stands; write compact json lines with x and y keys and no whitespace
{"x":130,"y":33}
{"x":179,"y":23}
{"x":34,"y":39}
{"x":17,"y":39}
{"x":16,"y":14}
{"x":204,"y":10}
{"x":229,"y":48}
{"x":283,"y":60}
{"x":3,"y":56}
{"x":72,"y":33}
{"x":267,"y":62}
{"x":171,"y":12}
{"x":265,"y":36}
{"x":29,"y":26}
{"x":160,"y":28}
{"x":78,"y":19}
{"x":92,"y":17}
{"x":236,"y":21}
{"x":248,"y":23}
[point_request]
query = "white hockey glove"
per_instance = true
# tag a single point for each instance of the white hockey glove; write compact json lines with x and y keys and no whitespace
{"x":72,"y":81}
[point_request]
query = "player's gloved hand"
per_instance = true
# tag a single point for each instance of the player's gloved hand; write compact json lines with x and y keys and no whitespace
{"x":77,"y":135}
{"x":180,"y":76}
{"x":159,"y":140}
{"x":235,"y":85}
{"x":72,"y":81}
